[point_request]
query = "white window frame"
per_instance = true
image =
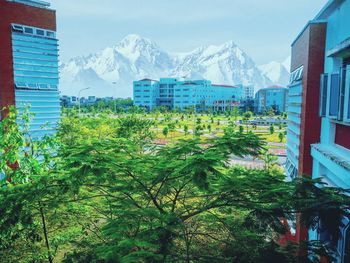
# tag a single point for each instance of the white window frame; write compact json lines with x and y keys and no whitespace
{"x":346,"y":117}
{"x":329,"y":87}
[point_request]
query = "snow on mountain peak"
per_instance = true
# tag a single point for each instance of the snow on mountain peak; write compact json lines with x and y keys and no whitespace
{"x":136,"y":57}
{"x":276,"y":72}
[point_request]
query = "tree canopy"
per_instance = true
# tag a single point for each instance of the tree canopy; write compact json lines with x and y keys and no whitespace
{"x":101,"y":191}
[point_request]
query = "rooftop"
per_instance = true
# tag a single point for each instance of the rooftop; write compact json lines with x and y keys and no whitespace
{"x":148,"y":80}
{"x":35,"y":3}
{"x":225,"y":86}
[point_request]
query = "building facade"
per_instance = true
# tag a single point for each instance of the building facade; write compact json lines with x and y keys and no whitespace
{"x":29,"y":62}
{"x":318,"y":137}
{"x":248,"y":92}
{"x":274,"y":97}
{"x":182,"y":94}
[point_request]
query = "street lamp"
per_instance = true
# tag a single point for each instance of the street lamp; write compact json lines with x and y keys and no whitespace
{"x":194,"y":114}
{"x":115,"y":99}
{"x":79,"y":96}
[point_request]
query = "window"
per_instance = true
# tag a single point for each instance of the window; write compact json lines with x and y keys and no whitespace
{"x":40,"y":32}
{"x":342,"y":93}
{"x":50,"y":34}
{"x":28,"y":30}
{"x":323,"y":93}
{"x":346,"y":250}
{"x":17,"y":28}
{"x":21,"y":85}
{"x":334,"y":96}
{"x":347,"y":95}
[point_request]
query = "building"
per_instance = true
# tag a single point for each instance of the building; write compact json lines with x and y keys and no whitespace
{"x":248,"y":92}
{"x":69,"y":101}
{"x":29,"y":62}
{"x":318,"y":138}
{"x":182,"y":94}
{"x":274,"y":97}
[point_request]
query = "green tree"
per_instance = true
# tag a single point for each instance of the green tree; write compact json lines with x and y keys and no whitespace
{"x":235,"y":113}
{"x":209,"y":128}
{"x":165,"y":131}
{"x":281,"y":136}
{"x":106,"y":196}
{"x":272,"y":129}
{"x":186,"y":130}
{"x":246,"y":117}
{"x":271,"y":112}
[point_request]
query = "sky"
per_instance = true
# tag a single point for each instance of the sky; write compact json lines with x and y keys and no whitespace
{"x":264,"y":29}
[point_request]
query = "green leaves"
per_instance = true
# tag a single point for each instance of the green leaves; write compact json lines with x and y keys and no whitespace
{"x":101,"y":192}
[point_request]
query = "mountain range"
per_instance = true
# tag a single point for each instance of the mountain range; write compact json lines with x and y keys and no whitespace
{"x":112,"y":71}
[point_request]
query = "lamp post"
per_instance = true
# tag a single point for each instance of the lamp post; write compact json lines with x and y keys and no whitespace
{"x":115,"y":99}
{"x":194,"y":115}
{"x":79,"y":96}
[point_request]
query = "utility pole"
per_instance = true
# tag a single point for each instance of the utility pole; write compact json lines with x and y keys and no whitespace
{"x":115,"y":99}
{"x":194,"y":115}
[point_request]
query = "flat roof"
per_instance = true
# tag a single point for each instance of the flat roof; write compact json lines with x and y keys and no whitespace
{"x":223,"y":85}
{"x":322,"y":16}
{"x":35,"y":3}
{"x":328,"y":9}
{"x":148,"y":80}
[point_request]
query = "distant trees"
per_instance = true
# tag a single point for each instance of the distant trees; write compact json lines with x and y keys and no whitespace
{"x":186,"y":130}
{"x":165,"y":131}
{"x":281,"y":136}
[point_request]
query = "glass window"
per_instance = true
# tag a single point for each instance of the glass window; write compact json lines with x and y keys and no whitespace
{"x":17,"y":28}
{"x":334,"y":95}
{"x":40,"y":32}
{"x":342,"y":93}
{"x":347,"y":244}
{"x":50,"y":34}
{"x":28,"y":30}
{"x":348,"y":117}
{"x":323,"y":99}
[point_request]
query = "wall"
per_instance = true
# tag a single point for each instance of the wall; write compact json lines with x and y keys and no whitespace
{"x":21,"y":14}
{"x":308,"y":51}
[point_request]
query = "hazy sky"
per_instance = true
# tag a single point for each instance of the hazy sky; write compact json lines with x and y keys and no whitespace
{"x":262,"y":28}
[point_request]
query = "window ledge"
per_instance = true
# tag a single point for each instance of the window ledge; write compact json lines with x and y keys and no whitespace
{"x":333,"y":153}
{"x":339,"y":122}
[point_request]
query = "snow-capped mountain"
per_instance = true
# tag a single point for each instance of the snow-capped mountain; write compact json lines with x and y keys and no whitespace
{"x":224,"y":64}
{"x":111,"y":71}
{"x":276,"y":72}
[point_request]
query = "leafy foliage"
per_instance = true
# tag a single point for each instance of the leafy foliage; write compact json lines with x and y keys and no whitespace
{"x":101,"y":192}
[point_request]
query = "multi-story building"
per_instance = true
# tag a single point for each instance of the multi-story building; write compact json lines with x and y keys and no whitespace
{"x":318,"y":139}
{"x":29,"y":62}
{"x":248,"y":92}
{"x":274,"y":97}
{"x":182,"y":94}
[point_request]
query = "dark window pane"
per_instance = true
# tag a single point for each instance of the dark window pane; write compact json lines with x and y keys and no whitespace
{"x":40,"y":32}
{"x":323,"y":102}
{"x":349,"y":105}
{"x":342,"y":94}
{"x":347,"y":245}
{"x":334,"y":95}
